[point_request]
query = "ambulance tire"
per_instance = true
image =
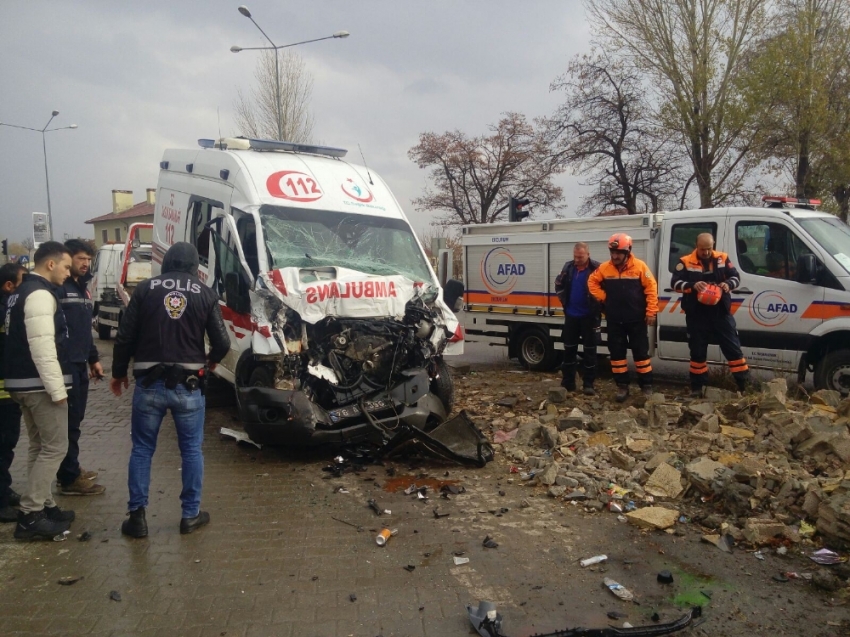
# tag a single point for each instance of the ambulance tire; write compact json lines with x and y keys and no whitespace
{"x":833,"y":371}
{"x":261,"y":376}
{"x":444,"y":386}
{"x":536,"y":350}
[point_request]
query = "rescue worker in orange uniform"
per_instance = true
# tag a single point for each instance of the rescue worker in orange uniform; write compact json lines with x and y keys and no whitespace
{"x":629,"y":295}
{"x":706,"y":278}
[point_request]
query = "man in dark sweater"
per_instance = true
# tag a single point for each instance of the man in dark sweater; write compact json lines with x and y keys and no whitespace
{"x":581,"y":318}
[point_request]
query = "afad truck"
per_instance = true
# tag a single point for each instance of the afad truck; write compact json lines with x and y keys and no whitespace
{"x":792,"y":308}
{"x":338,"y":324}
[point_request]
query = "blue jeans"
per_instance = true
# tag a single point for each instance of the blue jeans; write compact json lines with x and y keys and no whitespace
{"x":149,"y":407}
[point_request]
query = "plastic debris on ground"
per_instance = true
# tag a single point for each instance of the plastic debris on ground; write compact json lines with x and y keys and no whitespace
{"x":460,"y":560}
{"x":239,"y":436}
{"x":826,"y":557}
{"x":596,"y":559}
{"x":618,"y":590}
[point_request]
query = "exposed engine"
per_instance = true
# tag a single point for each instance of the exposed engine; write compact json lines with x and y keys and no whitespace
{"x":344,"y":360}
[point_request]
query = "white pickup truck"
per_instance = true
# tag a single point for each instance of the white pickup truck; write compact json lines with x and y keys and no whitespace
{"x":792,"y":307}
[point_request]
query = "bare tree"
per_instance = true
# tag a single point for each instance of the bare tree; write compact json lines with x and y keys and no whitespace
{"x":257,"y":114}
{"x":605,"y":130}
{"x":690,"y":51}
{"x":474,"y":177}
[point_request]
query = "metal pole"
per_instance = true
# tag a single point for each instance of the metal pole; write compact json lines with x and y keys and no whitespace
{"x":277,"y":94}
{"x":47,"y":181}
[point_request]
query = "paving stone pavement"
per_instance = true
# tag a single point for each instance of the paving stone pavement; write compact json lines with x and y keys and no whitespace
{"x":274,"y":561}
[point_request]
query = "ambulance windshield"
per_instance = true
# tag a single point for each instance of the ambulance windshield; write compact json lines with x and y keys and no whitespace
{"x":301,"y":238}
{"x":833,"y":235}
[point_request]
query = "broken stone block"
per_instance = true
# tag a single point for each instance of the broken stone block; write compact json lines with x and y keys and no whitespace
{"x":843,"y":408}
{"x":576,"y":419}
{"x":653,"y":518}
{"x":556,"y":491}
{"x":458,"y":368}
{"x":564,"y":481}
{"x":528,"y":434}
{"x":507,"y":401}
{"x":784,"y":426}
{"x":638,"y":446}
{"x":618,"y":420}
{"x":538,"y":462}
{"x":548,"y":476}
{"x":834,"y":519}
{"x":760,"y":531}
{"x":661,"y":415}
{"x":518,"y":455}
{"x":699,"y":442}
{"x":658,"y":459}
{"x":701,"y":409}
{"x":665,"y":482}
{"x":552,"y":410}
{"x":550,"y":436}
{"x":703,"y":471}
{"x":748,"y":468}
{"x":736,"y":433}
{"x":622,"y":460}
{"x":778,"y":388}
{"x":833,"y":442}
{"x":709,"y":423}
{"x":811,"y":503}
{"x":717,"y":395}
{"x":828,"y":397}
{"x":599,"y":438}
{"x":547,"y":419}
{"x":557,"y":395}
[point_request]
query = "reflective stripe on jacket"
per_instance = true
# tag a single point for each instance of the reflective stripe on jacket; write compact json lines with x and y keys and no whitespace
{"x":629,"y":294}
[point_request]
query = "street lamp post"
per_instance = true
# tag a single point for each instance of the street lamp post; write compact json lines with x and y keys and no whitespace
{"x":236,"y":49}
{"x":43,"y":131}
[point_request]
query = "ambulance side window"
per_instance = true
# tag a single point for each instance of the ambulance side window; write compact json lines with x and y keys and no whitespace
{"x":768,"y":249}
{"x":201,"y":213}
{"x":683,"y":239}
{"x":231,"y":282}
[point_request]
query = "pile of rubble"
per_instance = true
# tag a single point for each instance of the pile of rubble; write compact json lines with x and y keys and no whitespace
{"x":761,"y":468}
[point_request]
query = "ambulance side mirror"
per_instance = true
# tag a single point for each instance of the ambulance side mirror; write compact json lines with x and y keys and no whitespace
{"x":453,"y":294}
{"x":236,"y":293}
{"x":807,"y":269}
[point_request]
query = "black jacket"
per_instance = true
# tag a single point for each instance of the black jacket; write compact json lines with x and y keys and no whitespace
{"x":691,"y":270}
{"x":167,"y":318}
{"x":76,"y":303}
{"x":4,"y":395}
{"x":564,"y":284}
{"x":22,"y":375}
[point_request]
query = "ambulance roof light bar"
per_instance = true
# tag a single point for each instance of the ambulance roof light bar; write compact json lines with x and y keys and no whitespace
{"x":779,"y":201}
{"x":246,"y":143}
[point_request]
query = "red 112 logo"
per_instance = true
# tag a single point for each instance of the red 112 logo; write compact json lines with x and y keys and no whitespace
{"x":293,"y":185}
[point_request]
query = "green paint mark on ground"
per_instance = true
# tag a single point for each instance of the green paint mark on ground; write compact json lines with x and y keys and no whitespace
{"x":690,"y":589}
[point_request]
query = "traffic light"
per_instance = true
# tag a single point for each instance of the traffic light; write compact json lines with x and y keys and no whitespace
{"x":5,"y":247}
{"x":516,"y":212}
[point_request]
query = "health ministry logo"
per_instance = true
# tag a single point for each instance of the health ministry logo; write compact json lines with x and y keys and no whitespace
{"x":769,"y":309}
{"x":500,"y":272}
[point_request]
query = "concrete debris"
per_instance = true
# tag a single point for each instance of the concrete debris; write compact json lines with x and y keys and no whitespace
{"x":653,"y":518}
{"x":756,"y":468}
{"x":665,"y":482}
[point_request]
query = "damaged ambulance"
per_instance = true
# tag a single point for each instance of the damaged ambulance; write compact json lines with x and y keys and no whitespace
{"x":338,"y":325}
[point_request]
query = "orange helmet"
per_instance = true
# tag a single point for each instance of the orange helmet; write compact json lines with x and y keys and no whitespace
{"x":620,"y":241}
{"x":711,"y":295}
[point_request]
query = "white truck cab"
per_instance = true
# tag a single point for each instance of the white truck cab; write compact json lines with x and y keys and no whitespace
{"x":337,"y":321}
{"x":792,"y":308}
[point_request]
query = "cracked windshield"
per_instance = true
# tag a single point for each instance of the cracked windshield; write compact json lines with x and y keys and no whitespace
{"x":833,"y":235}
{"x":314,"y":238}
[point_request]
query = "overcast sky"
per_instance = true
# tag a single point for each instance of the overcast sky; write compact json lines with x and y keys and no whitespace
{"x":144,"y":76}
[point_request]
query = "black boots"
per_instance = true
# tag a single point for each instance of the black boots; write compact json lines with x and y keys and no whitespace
{"x":37,"y":525}
{"x":135,"y":525}
{"x":622,"y":393}
{"x":189,"y":525}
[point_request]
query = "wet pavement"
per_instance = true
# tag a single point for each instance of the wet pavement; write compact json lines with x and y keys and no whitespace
{"x":281,"y":556}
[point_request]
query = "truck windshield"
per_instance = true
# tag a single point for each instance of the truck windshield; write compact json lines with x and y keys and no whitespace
{"x":833,"y":235}
{"x":313,"y":238}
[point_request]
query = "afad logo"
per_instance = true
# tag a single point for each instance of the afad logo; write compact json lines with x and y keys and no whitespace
{"x":500,"y":271}
{"x":356,"y":190}
{"x":769,"y":308}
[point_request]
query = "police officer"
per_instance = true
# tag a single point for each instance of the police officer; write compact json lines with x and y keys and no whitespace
{"x":162,"y":330}
{"x":708,"y":314}
{"x":38,"y":379}
{"x":76,"y":303}
{"x":628,"y":291}
{"x":10,"y":413}
{"x":581,"y":318}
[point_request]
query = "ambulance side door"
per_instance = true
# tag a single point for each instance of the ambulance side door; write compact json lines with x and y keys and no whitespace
{"x":770,"y":305}
{"x":679,"y":240}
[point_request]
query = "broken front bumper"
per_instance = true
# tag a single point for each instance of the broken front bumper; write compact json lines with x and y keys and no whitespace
{"x":289,"y":417}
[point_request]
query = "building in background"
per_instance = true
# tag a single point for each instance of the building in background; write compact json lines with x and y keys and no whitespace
{"x":112,"y":227}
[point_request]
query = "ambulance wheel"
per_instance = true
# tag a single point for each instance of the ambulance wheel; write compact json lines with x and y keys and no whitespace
{"x":104,"y":332}
{"x":833,"y":371}
{"x":261,"y":376}
{"x":536,"y":350}
{"x":443,"y":387}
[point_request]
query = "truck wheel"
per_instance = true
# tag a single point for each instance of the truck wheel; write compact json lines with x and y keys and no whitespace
{"x":444,"y":386}
{"x":261,"y":376}
{"x":536,"y":350}
{"x":104,"y":332}
{"x":833,"y":371}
